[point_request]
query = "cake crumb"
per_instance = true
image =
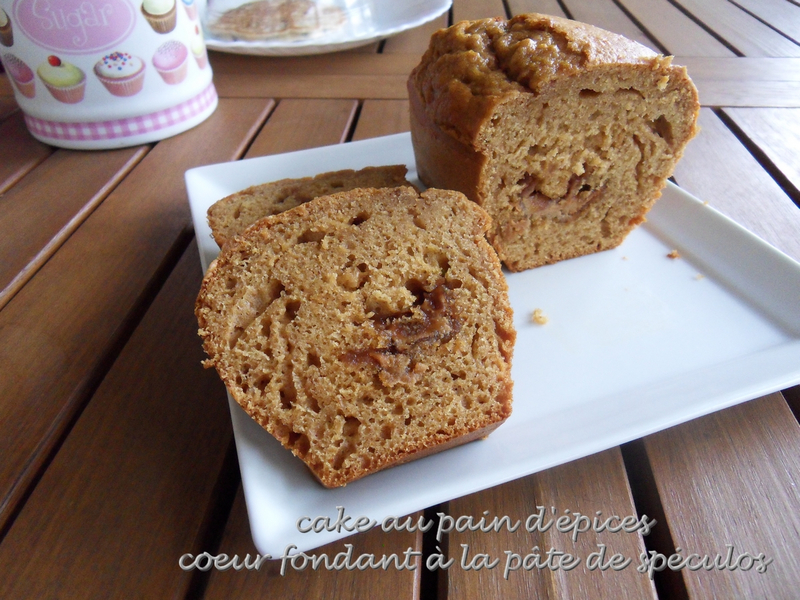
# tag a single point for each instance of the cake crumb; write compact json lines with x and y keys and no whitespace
{"x":538,"y":317}
{"x":674,"y":254}
{"x":699,"y":276}
{"x":624,"y":258}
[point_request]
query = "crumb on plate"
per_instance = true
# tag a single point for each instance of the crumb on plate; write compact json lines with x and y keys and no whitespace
{"x":674,"y":254}
{"x":538,"y":317}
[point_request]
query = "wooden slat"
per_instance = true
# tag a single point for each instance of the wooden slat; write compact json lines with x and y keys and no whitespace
{"x":5,"y":86}
{"x":43,"y":209}
{"x":753,"y":82}
{"x":382,"y":117}
{"x":674,"y":30}
{"x":334,"y":585}
{"x":516,"y":500}
{"x":58,"y":329}
{"x":370,"y":48}
{"x":780,"y":14}
{"x":719,"y":170}
{"x":127,"y":493}
{"x":7,"y":106}
{"x":545,"y":7}
{"x":776,"y":131}
{"x":302,"y":116}
{"x":784,"y":94}
{"x":477,"y":9}
{"x":354,"y":75}
{"x":595,"y":483}
{"x":606,"y":14}
{"x":239,"y":69}
{"x":244,"y":72}
{"x":732,"y":478}
{"x":747,"y":34}
{"x":414,"y":41}
{"x":20,"y":152}
{"x":318,"y":86}
{"x":748,"y":72}
{"x":289,"y":125}
{"x":722,"y":81}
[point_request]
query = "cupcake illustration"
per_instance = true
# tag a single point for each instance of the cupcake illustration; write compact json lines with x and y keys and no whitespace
{"x":198,"y":48}
{"x":63,"y":80}
{"x":171,"y":61}
{"x":121,"y":73}
{"x":6,"y":33}
{"x":21,"y":74}
{"x":191,"y":8}
{"x":160,"y":14}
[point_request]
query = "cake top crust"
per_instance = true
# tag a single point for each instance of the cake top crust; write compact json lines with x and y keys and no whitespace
{"x":364,"y":328}
{"x":472,"y":66}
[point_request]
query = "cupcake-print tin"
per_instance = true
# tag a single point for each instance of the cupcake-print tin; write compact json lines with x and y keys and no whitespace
{"x":92,"y":74}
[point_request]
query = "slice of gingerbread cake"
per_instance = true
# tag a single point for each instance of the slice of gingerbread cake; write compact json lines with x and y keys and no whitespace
{"x":364,"y":329}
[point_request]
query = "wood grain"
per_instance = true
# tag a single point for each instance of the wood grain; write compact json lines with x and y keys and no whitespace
{"x":291,"y":123}
{"x":732,"y":478}
{"x":58,"y":330}
{"x":746,"y":71}
{"x":595,"y":483}
{"x":135,"y":476}
{"x":545,"y":7}
{"x":747,"y":34}
{"x":329,"y":584}
{"x":753,"y":82}
{"x":5,"y":86}
{"x":20,"y":152}
{"x":7,"y":106}
{"x":41,"y":211}
{"x":780,"y":14}
{"x":381,"y":117}
{"x":783,"y":94}
{"x":354,"y":75}
{"x":722,"y":81}
{"x":477,"y":9}
{"x":776,"y":131}
{"x":676,"y":32}
{"x":371,"y":48}
{"x":414,"y":41}
{"x":719,"y":170}
{"x":606,"y":14}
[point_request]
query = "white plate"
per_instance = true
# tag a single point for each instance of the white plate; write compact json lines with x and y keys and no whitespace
{"x":636,"y":342}
{"x":367,"y":21}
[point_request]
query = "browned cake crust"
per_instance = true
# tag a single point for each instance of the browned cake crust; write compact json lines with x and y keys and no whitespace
{"x":364,"y":329}
{"x":233,"y":214}
{"x":563,"y":132}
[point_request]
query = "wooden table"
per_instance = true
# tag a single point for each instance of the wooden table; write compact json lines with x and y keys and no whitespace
{"x":116,"y":446}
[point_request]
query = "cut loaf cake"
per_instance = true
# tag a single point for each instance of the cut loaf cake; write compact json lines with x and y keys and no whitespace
{"x":563,"y":132}
{"x":233,"y":214}
{"x":364,"y":329}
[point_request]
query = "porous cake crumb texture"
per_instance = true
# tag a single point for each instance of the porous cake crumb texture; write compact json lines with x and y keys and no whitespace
{"x":233,"y":214}
{"x":364,"y":329}
{"x":563,"y":132}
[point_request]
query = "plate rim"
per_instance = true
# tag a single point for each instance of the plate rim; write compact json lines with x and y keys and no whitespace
{"x":309,"y":46}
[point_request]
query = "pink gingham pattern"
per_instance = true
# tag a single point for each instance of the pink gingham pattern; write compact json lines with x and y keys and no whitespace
{"x":122,"y":128}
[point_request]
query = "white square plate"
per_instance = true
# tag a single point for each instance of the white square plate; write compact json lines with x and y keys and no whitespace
{"x":636,"y":342}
